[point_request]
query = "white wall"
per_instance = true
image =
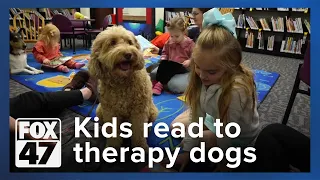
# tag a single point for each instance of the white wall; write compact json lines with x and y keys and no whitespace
{"x":85,"y":12}
{"x":159,"y":14}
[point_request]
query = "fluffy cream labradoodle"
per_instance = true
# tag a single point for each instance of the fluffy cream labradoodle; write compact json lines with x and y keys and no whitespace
{"x":125,"y":88}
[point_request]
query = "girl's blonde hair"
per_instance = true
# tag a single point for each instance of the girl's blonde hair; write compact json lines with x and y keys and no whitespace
{"x":225,"y":48}
{"x":177,"y":23}
{"x":50,"y":35}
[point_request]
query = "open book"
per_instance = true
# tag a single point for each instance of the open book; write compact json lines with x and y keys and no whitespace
{"x":144,"y":43}
{"x":58,"y":61}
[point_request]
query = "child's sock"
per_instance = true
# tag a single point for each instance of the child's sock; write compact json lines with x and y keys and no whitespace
{"x":63,"y":68}
{"x":79,"y":65}
{"x":157,"y":88}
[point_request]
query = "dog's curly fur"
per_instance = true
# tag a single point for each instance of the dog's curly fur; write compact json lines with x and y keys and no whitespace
{"x":125,"y":88}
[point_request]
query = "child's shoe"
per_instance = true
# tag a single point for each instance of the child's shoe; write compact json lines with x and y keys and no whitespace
{"x":78,"y":81}
{"x":157,"y":89}
{"x":79,"y":65}
{"x":65,"y":69}
{"x":154,"y":82}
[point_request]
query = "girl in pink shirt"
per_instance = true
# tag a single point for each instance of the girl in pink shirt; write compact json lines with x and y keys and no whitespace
{"x":178,"y":48}
{"x":48,"y":48}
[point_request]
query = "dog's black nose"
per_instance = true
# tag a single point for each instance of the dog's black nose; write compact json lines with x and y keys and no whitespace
{"x":128,"y":56}
{"x":24,"y":46}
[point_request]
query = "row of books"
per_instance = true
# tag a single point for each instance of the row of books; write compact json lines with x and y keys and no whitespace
{"x":293,"y":25}
{"x":250,"y":41}
{"x":279,"y":9}
{"x":186,"y":15}
{"x":47,"y":12}
{"x":277,"y":24}
{"x":51,"y":12}
{"x":270,"y":44}
{"x":15,"y":11}
{"x":290,"y":45}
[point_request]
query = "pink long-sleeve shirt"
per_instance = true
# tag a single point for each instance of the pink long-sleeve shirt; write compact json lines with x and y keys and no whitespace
{"x":178,"y":52}
{"x":41,"y":52}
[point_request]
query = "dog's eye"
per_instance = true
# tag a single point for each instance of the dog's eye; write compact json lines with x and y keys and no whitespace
{"x":130,"y":42}
{"x":113,"y":42}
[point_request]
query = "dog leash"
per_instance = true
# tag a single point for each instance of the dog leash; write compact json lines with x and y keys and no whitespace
{"x":92,"y":107}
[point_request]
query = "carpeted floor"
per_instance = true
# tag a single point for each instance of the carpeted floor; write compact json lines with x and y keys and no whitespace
{"x":272,"y":108}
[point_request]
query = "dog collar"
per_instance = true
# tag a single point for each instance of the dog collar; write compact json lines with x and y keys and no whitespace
{"x":16,"y":54}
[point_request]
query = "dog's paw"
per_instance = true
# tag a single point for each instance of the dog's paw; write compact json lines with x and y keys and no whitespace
{"x":32,"y":72}
{"x":40,"y":71}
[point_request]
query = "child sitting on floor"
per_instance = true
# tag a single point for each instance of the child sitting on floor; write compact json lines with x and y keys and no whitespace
{"x":178,"y":48}
{"x":48,"y":48}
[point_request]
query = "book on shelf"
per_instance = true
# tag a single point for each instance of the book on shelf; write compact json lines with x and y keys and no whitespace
{"x":250,"y":40}
{"x":283,"y":9}
{"x":300,"y":9}
{"x":264,"y":24}
{"x":47,"y":13}
{"x":262,"y":9}
{"x":277,"y":24}
{"x":294,"y":25}
{"x":290,"y":45}
{"x":252,"y":23}
{"x":270,"y":43}
{"x":186,"y":15}
{"x":241,"y":21}
{"x":307,"y":25}
{"x":261,"y":40}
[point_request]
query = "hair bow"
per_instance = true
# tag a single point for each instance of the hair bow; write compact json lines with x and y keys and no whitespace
{"x":214,"y":16}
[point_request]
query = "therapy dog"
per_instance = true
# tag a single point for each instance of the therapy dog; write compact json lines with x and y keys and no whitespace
{"x":125,"y":88}
{"x":18,"y":55}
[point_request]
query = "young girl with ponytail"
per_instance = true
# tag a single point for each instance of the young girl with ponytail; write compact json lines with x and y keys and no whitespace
{"x":220,"y":87}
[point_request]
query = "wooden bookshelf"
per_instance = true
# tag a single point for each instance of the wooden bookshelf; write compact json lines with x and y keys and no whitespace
{"x":176,"y":11}
{"x":291,"y":39}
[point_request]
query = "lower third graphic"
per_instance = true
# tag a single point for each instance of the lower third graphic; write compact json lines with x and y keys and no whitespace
{"x":38,"y":143}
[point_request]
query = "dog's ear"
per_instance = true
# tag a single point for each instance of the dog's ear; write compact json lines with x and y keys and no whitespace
{"x":94,"y":66}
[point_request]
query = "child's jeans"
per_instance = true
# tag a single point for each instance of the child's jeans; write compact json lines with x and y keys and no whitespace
{"x":177,"y":84}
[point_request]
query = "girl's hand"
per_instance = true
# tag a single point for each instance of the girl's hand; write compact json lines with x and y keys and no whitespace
{"x":186,"y":63}
{"x":154,"y":50}
{"x":46,"y":61}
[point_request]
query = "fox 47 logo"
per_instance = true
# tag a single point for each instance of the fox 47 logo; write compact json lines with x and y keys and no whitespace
{"x":37,"y":144}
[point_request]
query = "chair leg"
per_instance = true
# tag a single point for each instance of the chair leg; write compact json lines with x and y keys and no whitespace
{"x":74,"y":44}
{"x":292,"y":97}
{"x":83,"y":41}
{"x":90,"y":40}
{"x":65,"y":42}
{"x":61,"y":47}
